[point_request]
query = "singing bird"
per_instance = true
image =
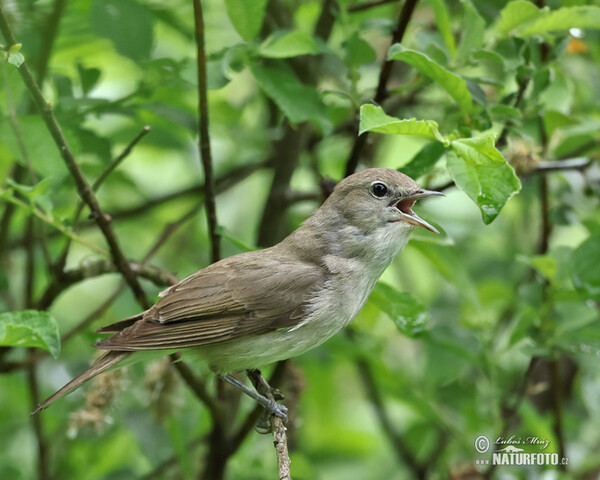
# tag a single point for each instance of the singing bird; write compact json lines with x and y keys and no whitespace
{"x":256,"y":308}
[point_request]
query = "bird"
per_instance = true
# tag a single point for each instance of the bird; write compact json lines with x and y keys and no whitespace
{"x":256,"y":308}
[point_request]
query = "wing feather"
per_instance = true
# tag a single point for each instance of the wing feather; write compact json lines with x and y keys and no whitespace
{"x":247,"y":294}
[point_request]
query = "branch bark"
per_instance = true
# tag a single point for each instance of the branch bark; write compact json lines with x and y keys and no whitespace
{"x":384,"y":75}
{"x":203,"y":136}
{"x":83,"y":188}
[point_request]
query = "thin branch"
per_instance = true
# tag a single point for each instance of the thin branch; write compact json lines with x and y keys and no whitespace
{"x":49,"y":35}
{"x":84,"y":189}
{"x":42,"y":446}
{"x":163,"y":237}
{"x":203,"y":136}
{"x":384,"y":75}
{"x":117,"y":161}
{"x":59,"y":265}
{"x":198,"y":387}
{"x":277,"y":426}
{"x":359,"y":7}
{"x":403,"y":451}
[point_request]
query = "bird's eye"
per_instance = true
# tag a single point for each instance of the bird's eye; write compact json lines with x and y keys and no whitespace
{"x":378,"y":189}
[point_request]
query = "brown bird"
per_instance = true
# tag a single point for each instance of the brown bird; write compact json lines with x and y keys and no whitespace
{"x":256,"y":308}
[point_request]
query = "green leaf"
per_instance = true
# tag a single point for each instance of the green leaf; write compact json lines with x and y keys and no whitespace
{"x":582,"y":16}
{"x":424,"y":161}
{"x":30,"y":328}
{"x":88,"y":76}
{"x":114,"y":19}
{"x":14,"y":55}
{"x":585,"y":267}
{"x":409,"y":315}
{"x":374,"y":119}
{"x":453,"y":84}
{"x":472,"y":37}
{"x":358,"y":51}
{"x":246,"y":16}
{"x":286,"y":44}
{"x":516,"y":14}
{"x":298,"y":102}
{"x":481,"y":171}
{"x":442,"y":19}
{"x":545,"y":264}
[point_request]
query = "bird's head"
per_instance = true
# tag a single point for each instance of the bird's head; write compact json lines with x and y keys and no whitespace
{"x":380,"y":198}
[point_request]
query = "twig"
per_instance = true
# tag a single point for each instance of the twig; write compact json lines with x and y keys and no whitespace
{"x":49,"y":35}
{"x":197,"y":386}
{"x":367,"y":5}
{"x":277,"y":427}
{"x":381,"y":93}
{"x":60,"y":227}
{"x":59,"y":265}
{"x":117,"y":161}
{"x":203,"y":136}
{"x":42,"y":446}
{"x":287,"y":150}
{"x":169,"y":230}
{"x":406,"y":456}
{"x":84,"y":189}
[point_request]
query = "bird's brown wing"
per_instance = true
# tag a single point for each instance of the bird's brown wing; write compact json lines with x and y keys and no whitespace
{"x":248,"y":294}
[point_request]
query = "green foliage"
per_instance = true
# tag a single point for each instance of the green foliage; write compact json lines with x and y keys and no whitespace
{"x":481,"y":171}
{"x":30,"y":328}
{"x":404,"y":310}
{"x":452,"y":83}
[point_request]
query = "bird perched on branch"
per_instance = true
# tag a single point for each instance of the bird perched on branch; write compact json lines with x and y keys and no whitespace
{"x":256,"y":308}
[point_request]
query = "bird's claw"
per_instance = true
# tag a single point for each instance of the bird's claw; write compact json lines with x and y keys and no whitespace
{"x":263,"y":425}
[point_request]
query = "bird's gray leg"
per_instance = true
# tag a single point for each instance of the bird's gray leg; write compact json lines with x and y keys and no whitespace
{"x":268,"y":404}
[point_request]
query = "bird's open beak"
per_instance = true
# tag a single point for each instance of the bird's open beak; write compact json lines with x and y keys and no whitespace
{"x":405,"y":206}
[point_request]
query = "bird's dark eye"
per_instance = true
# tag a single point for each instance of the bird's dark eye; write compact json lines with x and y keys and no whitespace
{"x":378,"y":189}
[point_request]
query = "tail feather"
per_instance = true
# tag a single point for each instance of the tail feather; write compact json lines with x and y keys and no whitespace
{"x":102,"y":364}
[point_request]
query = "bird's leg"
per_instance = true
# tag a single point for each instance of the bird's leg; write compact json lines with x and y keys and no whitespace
{"x":266,"y":401}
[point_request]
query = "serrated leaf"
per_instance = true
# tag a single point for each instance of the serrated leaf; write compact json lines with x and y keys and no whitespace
{"x":298,"y":102}
{"x":286,"y":44}
{"x":442,"y":19}
{"x":518,"y":13}
{"x":481,"y":171}
{"x":30,"y":328}
{"x":585,"y":270}
{"x":247,"y":16}
{"x":424,"y":160}
{"x":581,"y":16}
{"x":453,"y":84}
{"x":374,"y":119}
{"x":472,"y":37}
{"x":409,"y":315}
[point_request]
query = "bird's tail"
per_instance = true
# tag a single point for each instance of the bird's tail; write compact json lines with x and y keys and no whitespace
{"x":102,"y":364}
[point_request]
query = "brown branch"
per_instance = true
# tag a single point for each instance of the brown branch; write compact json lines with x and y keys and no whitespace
{"x":59,"y":265}
{"x":203,"y":136}
{"x":48,"y":35}
{"x":384,"y":75}
{"x":287,"y":150}
{"x":278,"y":429}
{"x":84,"y":189}
{"x":402,"y":450}
{"x":122,"y":156}
{"x":42,"y":446}
{"x":368,"y":5}
{"x":198,"y":387}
